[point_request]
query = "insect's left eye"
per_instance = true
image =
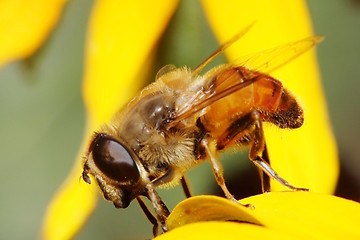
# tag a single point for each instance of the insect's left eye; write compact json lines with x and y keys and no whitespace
{"x":114,"y":160}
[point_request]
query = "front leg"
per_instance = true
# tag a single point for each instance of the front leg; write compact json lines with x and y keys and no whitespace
{"x":149,"y":215}
{"x":160,"y":208}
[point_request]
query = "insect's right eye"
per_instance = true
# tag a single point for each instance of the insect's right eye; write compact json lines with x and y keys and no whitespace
{"x":113,"y":159}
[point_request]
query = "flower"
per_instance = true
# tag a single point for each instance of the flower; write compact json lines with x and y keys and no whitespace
{"x":276,"y":215}
{"x":121,"y":39}
{"x":24,"y":26}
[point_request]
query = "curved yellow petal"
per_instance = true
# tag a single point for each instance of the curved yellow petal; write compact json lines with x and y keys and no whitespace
{"x":224,"y":230}
{"x":121,"y":37}
{"x":309,"y":215}
{"x":24,"y":26}
{"x":120,"y":43}
{"x":70,"y":207}
{"x":295,"y":215}
{"x":209,"y":208}
{"x":306,"y":157}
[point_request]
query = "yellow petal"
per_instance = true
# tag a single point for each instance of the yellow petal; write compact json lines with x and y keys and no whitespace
{"x":309,"y":215}
{"x":70,"y":207}
{"x":224,"y":230}
{"x":209,"y":208}
{"x":306,"y":157}
{"x":121,"y":37}
{"x":291,"y":215}
{"x":24,"y":26}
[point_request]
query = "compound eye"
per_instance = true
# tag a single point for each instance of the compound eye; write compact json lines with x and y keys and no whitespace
{"x":114,"y":160}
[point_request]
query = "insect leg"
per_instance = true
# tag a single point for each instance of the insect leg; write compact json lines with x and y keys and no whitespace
{"x":265,"y":179}
{"x":233,"y":133}
{"x":259,"y":162}
{"x":168,"y":176}
{"x":217,"y":169}
{"x":256,"y":155}
{"x":185,"y":187}
{"x":160,"y":208}
{"x":149,"y":215}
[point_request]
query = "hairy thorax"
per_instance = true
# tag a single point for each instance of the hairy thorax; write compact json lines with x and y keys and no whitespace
{"x":158,"y":148}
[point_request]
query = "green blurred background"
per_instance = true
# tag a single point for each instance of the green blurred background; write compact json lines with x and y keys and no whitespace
{"x":42,"y":116}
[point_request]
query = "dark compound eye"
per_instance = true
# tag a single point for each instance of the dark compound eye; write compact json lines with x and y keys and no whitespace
{"x":114,"y":160}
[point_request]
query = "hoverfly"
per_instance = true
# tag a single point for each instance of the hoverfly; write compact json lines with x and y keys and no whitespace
{"x":184,"y":118}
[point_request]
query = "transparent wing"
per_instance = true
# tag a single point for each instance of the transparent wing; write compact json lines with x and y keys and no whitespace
{"x":271,"y":59}
{"x":222,"y":84}
{"x":222,"y":48}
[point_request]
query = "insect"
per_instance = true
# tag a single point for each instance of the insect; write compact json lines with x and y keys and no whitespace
{"x":185,"y":118}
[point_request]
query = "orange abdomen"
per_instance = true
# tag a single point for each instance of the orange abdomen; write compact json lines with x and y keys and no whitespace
{"x":266,"y":94}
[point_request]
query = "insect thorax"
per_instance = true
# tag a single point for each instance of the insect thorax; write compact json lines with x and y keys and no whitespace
{"x":158,"y":148}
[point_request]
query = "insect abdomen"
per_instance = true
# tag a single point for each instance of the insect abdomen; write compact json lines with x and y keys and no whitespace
{"x":276,"y":103}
